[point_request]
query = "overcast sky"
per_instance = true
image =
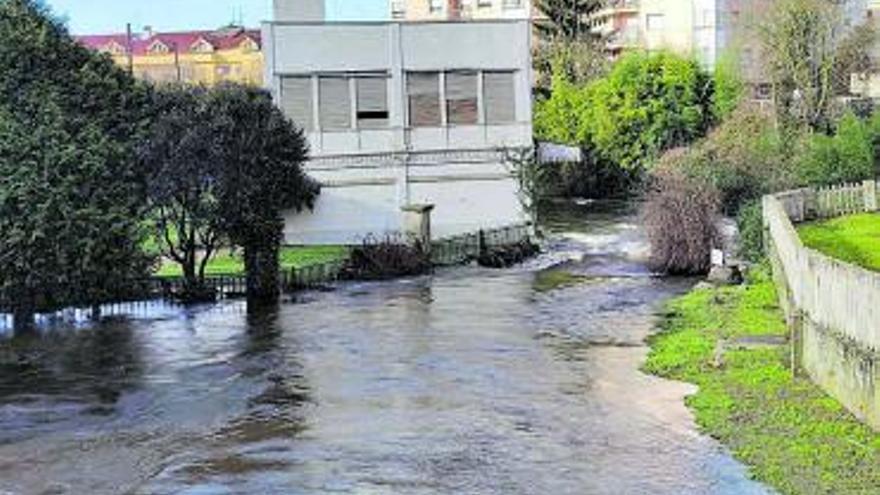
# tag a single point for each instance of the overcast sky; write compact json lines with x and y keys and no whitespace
{"x":105,"y":16}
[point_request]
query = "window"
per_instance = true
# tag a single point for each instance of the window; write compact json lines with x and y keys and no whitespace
{"x":159,"y":48}
{"x":499,"y":97}
{"x":372,"y":101}
{"x":655,"y":22}
{"x":435,"y":6}
{"x":296,"y":101}
{"x":423,"y":94}
{"x":461,"y":98}
{"x":334,"y":103}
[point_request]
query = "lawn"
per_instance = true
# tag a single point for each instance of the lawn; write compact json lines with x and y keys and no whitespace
{"x":792,"y":435}
{"x":854,"y":238}
{"x":231,"y":263}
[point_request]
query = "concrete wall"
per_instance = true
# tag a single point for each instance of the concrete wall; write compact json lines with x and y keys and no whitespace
{"x":833,"y":307}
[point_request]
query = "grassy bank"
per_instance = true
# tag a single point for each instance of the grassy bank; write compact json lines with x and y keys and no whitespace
{"x":854,"y":238}
{"x":794,"y":437}
{"x":231,"y":263}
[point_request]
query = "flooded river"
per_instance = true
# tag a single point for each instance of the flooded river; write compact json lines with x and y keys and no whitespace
{"x":471,"y":381}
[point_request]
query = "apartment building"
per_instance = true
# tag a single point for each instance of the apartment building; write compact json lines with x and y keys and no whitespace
{"x":438,"y":10}
{"x":197,"y":57}
{"x":400,"y":114}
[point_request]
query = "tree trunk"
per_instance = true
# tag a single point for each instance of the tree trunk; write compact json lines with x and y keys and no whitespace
{"x":23,"y":317}
{"x":262,"y":265}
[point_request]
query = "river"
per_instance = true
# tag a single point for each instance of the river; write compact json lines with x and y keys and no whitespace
{"x":470,"y":381}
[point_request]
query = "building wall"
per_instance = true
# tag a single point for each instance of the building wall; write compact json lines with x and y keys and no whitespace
{"x":421,"y":10}
{"x":236,"y":65}
{"x":369,"y":174}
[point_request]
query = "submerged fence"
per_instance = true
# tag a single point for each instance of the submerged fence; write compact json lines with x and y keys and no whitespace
{"x":449,"y":251}
{"x":832,"y":307}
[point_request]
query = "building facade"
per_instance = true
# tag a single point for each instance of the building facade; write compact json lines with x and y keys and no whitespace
{"x":196,"y":57}
{"x":400,"y":114}
{"x":439,"y":10}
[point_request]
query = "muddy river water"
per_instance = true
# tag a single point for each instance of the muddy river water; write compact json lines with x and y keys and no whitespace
{"x":471,"y":381}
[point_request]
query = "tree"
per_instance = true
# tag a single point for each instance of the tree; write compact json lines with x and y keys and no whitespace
{"x":260,"y":154}
{"x":180,"y":156}
{"x":810,"y":52}
{"x":647,"y":104}
{"x":71,"y":194}
{"x":567,"y":20}
{"x":729,"y":86}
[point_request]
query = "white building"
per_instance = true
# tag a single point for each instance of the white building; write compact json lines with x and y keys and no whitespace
{"x":399,"y":114}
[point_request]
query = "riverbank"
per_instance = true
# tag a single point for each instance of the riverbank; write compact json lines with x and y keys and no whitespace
{"x":794,"y":436}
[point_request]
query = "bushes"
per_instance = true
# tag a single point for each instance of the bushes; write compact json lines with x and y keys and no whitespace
{"x":750,"y":223}
{"x":680,"y":215}
{"x":647,"y":104}
{"x":846,"y":156}
{"x":380,"y":259}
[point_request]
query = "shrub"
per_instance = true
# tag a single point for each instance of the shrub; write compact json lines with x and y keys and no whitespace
{"x":381,"y":259}
{"x":751,"y":231}
{"x":680,"y":215}
{"x":847,"y":156}
{"x":649,"y":103}
{"x":745,"y":158}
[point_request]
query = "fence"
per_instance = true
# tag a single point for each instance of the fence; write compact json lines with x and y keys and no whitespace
{"x":463,"y":248}
{"x":833,"y":307}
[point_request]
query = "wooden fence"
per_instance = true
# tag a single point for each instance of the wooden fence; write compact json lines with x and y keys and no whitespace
{"x":466,"y":247}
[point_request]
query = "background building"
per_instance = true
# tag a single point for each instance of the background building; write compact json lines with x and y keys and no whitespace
{"x":205,"y":57}
{"x":399,"y":114}
{"x":437,"y":10}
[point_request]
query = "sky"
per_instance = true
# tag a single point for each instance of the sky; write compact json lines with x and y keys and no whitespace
{"x":106,"y":16}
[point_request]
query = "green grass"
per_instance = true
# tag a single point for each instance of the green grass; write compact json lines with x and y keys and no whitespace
{"x":795,"y":437}
{"x":854,"y":239}
{"x":231,"y":263}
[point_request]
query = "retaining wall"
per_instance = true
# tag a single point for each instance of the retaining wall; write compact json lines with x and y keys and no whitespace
{"x":832,"y":307}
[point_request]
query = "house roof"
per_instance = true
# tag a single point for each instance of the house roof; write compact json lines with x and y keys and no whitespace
{"x":222,"y":39}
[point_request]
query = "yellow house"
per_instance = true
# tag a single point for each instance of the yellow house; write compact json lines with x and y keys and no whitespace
{"x":196,"y":57}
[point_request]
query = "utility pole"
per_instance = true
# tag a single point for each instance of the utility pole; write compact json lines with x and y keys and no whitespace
{"x":177,"y":62}
{"x":128,"y":48}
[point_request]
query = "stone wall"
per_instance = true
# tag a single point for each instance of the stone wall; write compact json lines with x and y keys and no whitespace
{"x":832,"y":307}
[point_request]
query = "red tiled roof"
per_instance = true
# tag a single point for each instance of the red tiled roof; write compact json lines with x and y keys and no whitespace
{"x":221,"y":40}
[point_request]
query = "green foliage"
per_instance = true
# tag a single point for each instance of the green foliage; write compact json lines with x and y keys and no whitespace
{"x":806,"y":54}
{"x":180,"y":156}
{"x":847,"y":156}
{"x":71,"y":193}
{"x":854,"y":239}
{"x":750,"y":223}
{"x":649,"y":103}
{"x":567,"y":20}
{"x":259,"y":154}
{"x":729,"y":86}
{"x":744,"y":158}
{"x":793,"y":436}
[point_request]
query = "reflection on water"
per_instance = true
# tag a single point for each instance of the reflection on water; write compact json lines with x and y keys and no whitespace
{"x":471,"y":381}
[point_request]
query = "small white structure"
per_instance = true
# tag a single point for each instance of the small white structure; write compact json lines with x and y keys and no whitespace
{"x":401,"y":114}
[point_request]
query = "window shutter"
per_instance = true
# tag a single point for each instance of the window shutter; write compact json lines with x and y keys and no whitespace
{"x":296,"y":101}
{"x":461,"y":98}
{"x":423,"y":90}
{"x":499,"y":97}
{"x":372,"y":102}
{"x":335,"y":106}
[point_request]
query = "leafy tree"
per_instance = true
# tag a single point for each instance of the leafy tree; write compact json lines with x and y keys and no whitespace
{"x":184,"y":174}
{"x":811,"y":55}
{"x":647,"y":104}
{"x":71,"y":194}
{"x":567,"y":20}
{"x":260,"y":154}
